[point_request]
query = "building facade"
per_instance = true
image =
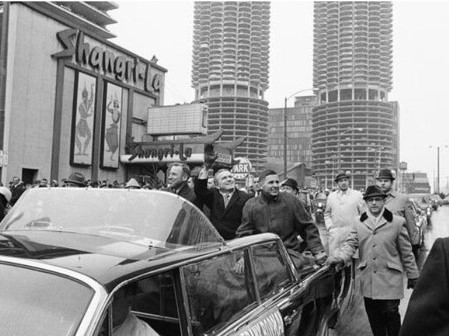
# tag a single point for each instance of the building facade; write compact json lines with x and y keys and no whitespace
{"x":355,"y":128}
{"x":230,"y":72}
{"x":70,"y":99}
{"x":299,"y":132}
{"x":415,"y":183}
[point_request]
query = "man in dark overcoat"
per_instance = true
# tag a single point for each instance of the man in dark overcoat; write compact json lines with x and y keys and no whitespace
{"x":428,"y":309}
{"x":284,"y":215}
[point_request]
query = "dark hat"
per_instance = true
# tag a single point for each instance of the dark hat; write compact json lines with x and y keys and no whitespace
{"x":76,"y":178}
{"x":373,"y":191}
{"x":265,"y":173}
{"x":385,"y":174}
{"x":291,"y":183}
{"x":340,"y":176}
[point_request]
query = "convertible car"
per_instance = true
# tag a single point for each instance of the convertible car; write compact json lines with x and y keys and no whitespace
{"x":66,"y":254}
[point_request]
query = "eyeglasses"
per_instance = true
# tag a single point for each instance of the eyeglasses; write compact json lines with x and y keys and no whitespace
{"x":375,"y":199}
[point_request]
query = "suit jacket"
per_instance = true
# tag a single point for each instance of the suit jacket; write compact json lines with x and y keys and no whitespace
{"x":428,"y":309}
{"x":400,"y":204}
{"x":185,"y":192}
{"x":226,"y":220}
{"x":385,"y":253}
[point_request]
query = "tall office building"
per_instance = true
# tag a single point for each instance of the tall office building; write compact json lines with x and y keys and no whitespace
{"x":354,"y":127}
{"x":299,"y":132}
{"x":230,"y":71}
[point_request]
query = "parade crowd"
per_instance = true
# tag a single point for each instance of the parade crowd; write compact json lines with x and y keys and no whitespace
{"x":374,"y":231}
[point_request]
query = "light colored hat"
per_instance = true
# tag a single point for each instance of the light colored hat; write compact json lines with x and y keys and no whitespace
{"x":132,"y":184}
{"x":5,"y":192}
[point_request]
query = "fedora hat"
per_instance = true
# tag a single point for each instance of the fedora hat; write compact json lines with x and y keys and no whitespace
{"x":76,"y":178}
{"x":291,"y":183}
{"x":385,"y":174}
{"x":340,"y":176}
{"x":373,"y":191}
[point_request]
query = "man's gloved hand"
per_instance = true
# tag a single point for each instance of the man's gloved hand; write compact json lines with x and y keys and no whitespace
{"x":411,"y":283}
{"x":338,"y":263}
{"x":320,"y":258}
{"x":209,"y":158}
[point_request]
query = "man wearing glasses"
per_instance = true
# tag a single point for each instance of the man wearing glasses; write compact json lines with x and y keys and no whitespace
{"x":385,"y":254}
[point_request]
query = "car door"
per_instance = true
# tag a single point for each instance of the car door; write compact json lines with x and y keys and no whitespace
{"x":264,"y":297}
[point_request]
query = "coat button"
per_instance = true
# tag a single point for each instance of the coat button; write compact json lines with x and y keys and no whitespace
{"x":374,"y":245}
{"x":375,"y":271}
{"x":374,"y":258}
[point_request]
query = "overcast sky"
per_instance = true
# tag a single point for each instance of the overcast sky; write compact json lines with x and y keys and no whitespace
{"x":420,"y":63}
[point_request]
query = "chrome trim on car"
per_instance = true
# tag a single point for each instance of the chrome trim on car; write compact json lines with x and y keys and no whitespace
{"x":93,"y":313}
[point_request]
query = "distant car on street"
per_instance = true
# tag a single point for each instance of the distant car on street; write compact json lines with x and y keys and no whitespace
{"x":68,"y":252}
{"x":424,"y":203}
{"x":420,"y":221}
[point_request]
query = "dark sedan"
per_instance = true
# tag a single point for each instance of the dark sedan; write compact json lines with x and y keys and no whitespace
{"x":69,"y":253}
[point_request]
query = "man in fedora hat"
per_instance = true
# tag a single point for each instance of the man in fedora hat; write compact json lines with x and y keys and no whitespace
{"x":385,"y":255}
{"x":76,"y":180}
{"x":399,"y":204}
{"x":341,"y":208}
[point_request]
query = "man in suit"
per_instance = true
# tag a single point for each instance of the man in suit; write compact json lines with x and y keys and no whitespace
{"x":177,"y":182}
{"x":384,"y":253}
{"x":225,"y":201}
{"x":399,"y":204}
{"x":428,"y":308}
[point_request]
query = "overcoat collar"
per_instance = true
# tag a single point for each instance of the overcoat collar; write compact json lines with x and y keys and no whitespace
{"x":388,"y":215}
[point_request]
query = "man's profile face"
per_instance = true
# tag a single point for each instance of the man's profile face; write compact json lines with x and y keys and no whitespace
{"x":270,"y":185}
{"x":343,"y":183}
{"x":176,"y":176}
{"x":375,"y":205}
{"x":384,"y":184}
{"x":15,"y":180}
{"x":225,"y":180}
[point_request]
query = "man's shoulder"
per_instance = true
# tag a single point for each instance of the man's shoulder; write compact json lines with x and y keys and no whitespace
{"x":355,"y":193}
{"x":243,"y":195}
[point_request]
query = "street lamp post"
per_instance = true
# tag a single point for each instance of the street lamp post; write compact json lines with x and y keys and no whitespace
{"x":437,"y":187}
{"x":339,"y":141}
{"x":377,"y":149}
{"x":286,"y":99}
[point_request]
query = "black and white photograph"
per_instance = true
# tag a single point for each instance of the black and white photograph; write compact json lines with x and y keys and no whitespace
{"x":226,"y":168}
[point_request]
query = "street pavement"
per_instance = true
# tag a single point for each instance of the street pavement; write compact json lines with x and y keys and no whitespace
{"x":353,"y":321}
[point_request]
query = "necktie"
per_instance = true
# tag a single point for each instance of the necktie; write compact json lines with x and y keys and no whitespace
{"x":226,"y":199}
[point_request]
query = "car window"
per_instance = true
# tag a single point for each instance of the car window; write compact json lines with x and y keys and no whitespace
{"x":146,"y":307}
{"x":39,"y":303}
{"x":270,"y":268}
{"x":216,"y":291}
{"x":155,"y":302}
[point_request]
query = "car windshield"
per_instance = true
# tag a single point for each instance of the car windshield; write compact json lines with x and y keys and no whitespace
{"x":37,"y":303}
{"x":153,"y":218}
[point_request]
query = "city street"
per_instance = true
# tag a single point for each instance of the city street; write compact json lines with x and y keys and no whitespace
{"x":354,"y":321}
